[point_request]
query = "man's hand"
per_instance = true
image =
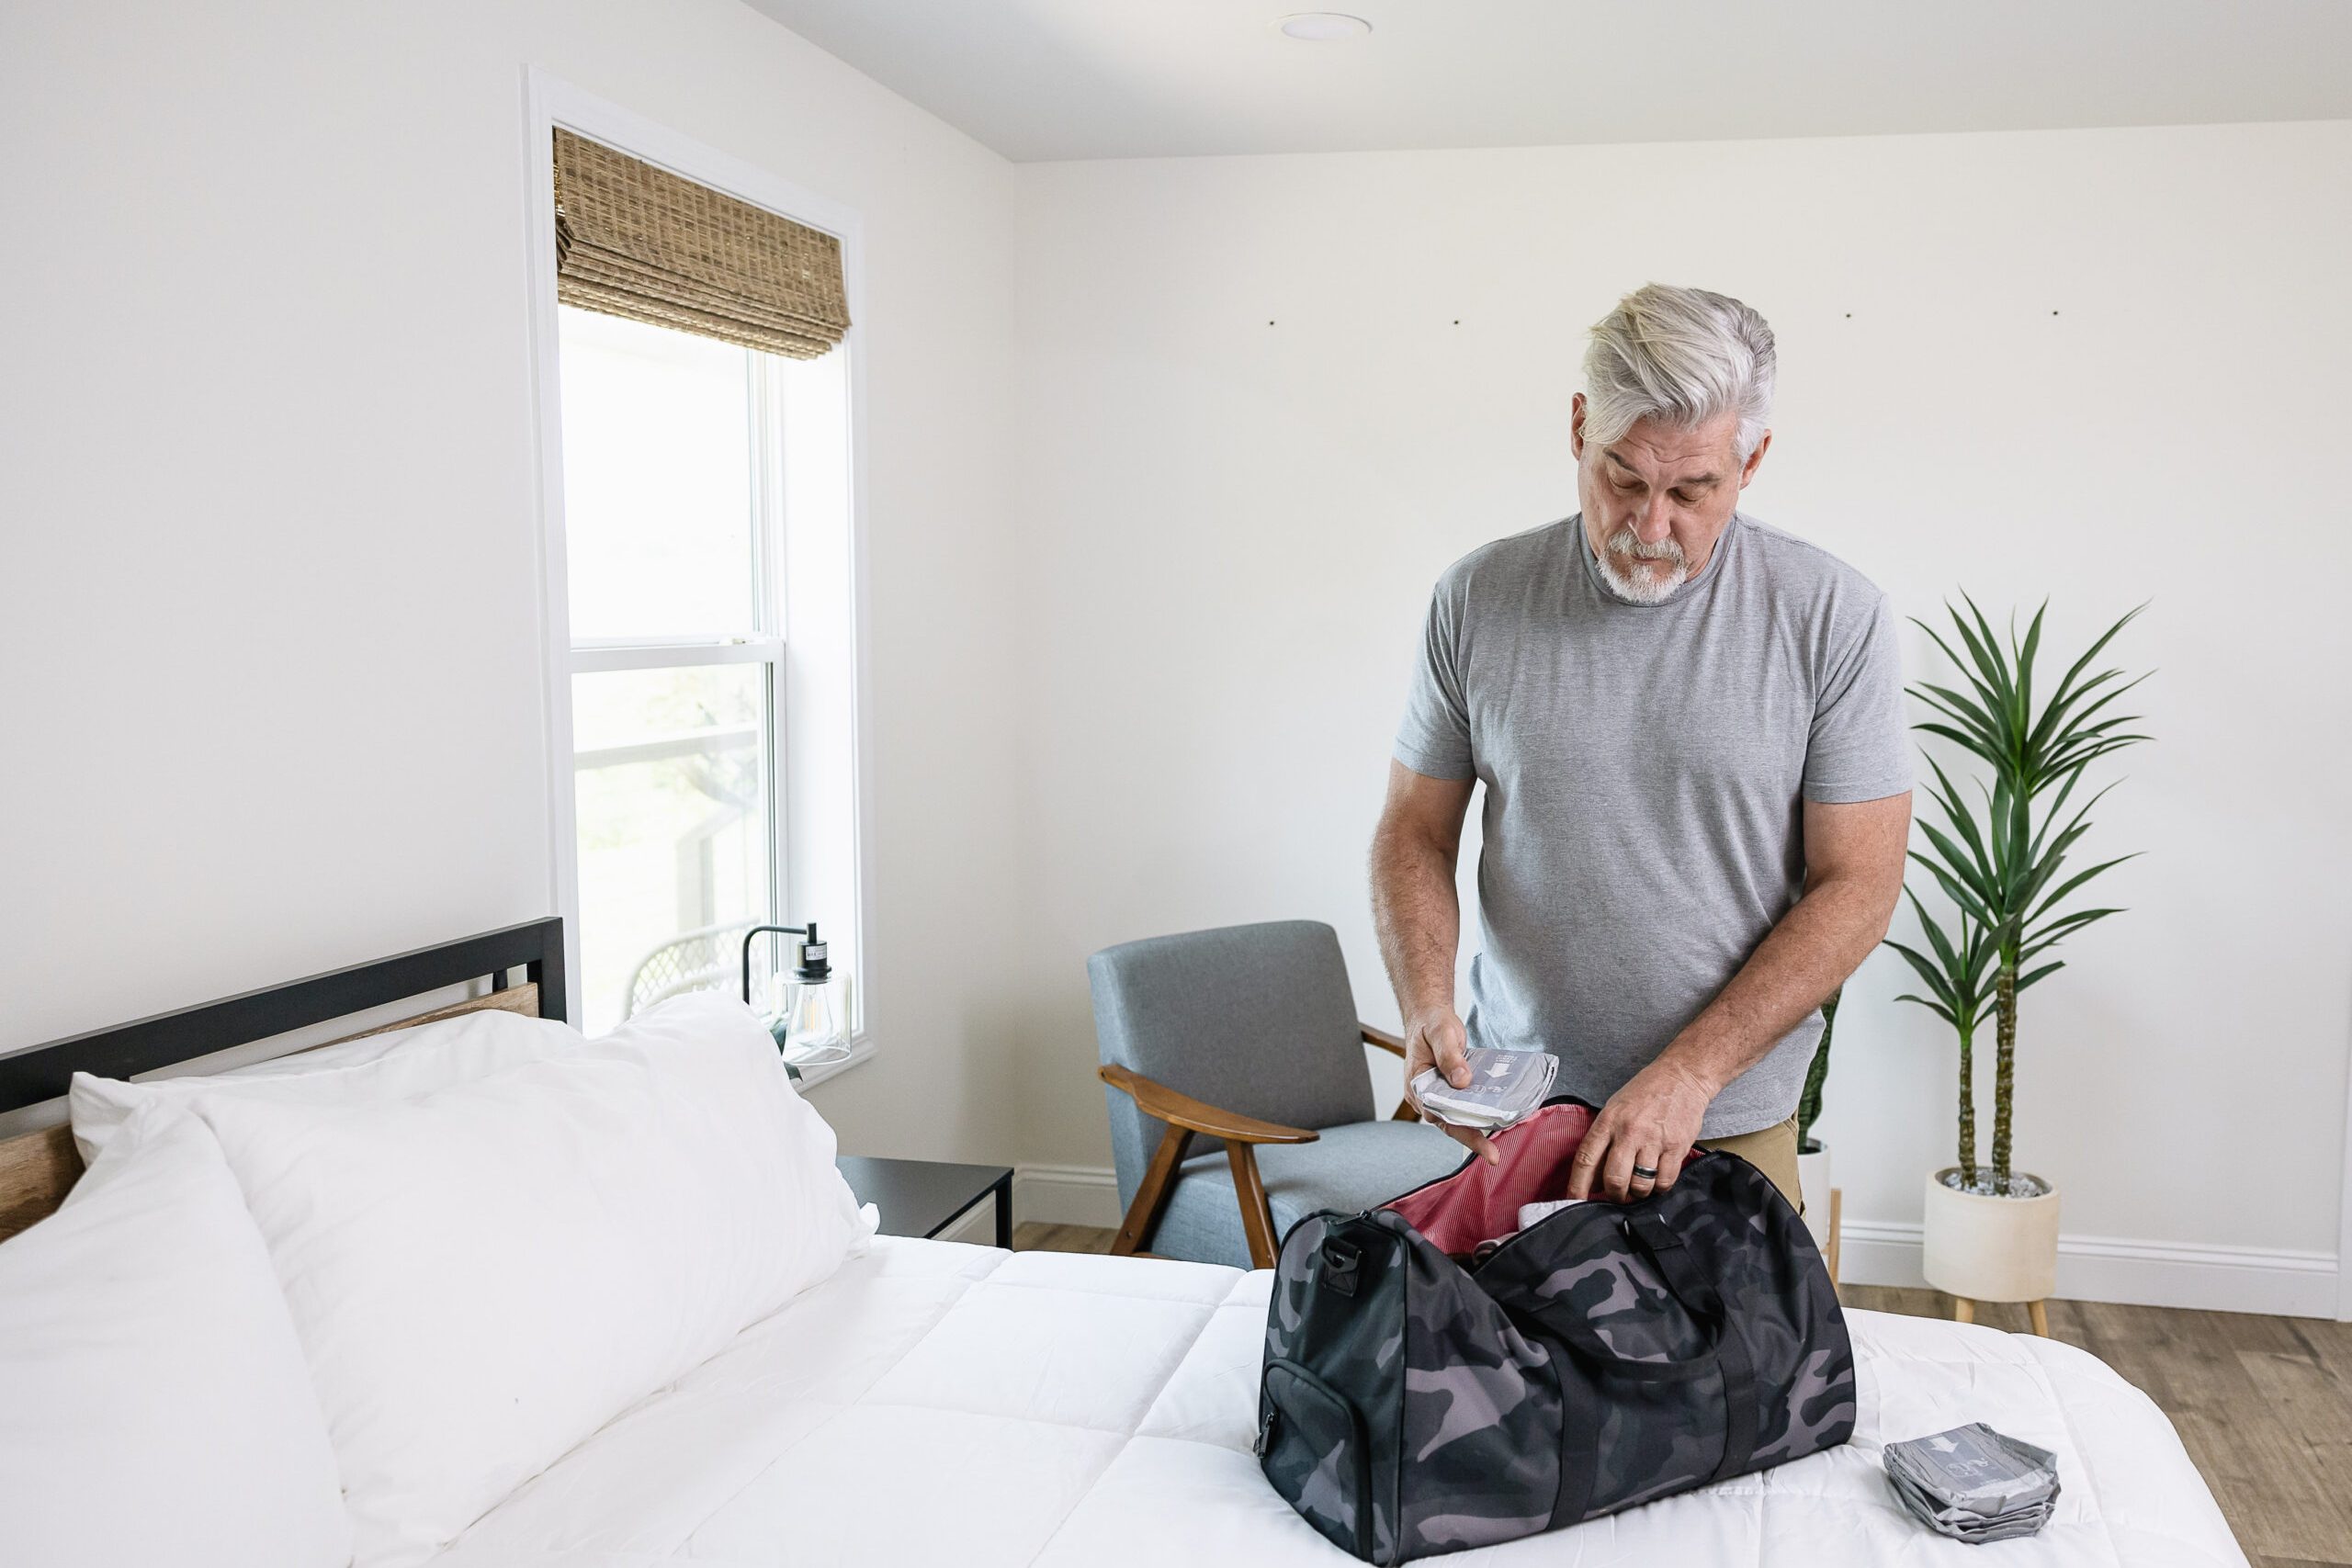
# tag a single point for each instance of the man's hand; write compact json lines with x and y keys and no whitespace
{"x":1438,"y":1040}
{"x":1650,"y":1125}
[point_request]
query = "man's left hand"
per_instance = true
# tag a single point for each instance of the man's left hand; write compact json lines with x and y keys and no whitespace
{"x":1647,"y":1126}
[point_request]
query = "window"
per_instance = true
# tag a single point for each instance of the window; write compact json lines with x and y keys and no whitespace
{"x":696,"y":342}
{"x":676,"y":639}
{"x":676,"y":505}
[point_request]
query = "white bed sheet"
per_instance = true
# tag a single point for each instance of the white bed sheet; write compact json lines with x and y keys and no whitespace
{"x":935,"y":1404}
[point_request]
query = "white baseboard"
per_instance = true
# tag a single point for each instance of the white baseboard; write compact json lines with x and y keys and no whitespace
{"x":2143,"y":1273}
{"x":1066,"y":1195}
{"x":1878,"y":1252}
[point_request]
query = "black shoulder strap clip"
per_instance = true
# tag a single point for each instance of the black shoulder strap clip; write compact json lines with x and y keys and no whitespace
{"x":1341,"y":1263}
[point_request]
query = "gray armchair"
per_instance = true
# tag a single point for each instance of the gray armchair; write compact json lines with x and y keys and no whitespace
{"x":1239,"y":1098}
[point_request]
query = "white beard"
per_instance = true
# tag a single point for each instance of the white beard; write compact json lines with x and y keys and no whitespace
{"x":1650,"y":587}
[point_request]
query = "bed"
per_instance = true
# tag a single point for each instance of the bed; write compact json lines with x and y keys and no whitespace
{"x":935,"y":1402}
{"x":930,"y":1401}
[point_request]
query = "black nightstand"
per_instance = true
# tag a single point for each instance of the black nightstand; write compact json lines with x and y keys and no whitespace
{"x":923,"y":1197}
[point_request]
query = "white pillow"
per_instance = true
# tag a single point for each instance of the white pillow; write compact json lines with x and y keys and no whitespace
{"x":484,"y":1274}
{"x":154,"y":1405}
{"x":396,"y":1063}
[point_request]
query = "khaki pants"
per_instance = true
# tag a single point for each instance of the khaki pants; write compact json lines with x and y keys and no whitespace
{"x":1774,"y":1151}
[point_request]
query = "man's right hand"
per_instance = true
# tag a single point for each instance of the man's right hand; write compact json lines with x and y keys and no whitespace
{"x":1438,"y":1040}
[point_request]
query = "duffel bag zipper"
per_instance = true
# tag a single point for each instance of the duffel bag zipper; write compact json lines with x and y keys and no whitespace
{"x":1619,"y":1211}
{"x":1573,"y":1215}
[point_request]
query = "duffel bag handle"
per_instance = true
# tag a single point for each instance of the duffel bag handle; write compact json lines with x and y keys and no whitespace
{"x":1684,"y":1284}
{"x":1728,"y":1351}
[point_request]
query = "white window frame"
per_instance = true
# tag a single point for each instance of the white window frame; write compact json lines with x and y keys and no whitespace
{"x":764,"y":404}
{"x":809,"y":884}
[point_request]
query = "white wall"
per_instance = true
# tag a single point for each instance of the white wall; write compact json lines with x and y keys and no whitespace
{"x":1268,"y":399}
{"x":1143,"y":590}
{"x":268,"y":570}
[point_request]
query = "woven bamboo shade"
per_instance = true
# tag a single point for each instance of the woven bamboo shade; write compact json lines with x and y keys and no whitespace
{"x":639,"y":242}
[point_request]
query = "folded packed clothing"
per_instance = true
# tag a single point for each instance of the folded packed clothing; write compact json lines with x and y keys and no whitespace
{"x":1975,"y":1483}
{"x":1505,"y":1087}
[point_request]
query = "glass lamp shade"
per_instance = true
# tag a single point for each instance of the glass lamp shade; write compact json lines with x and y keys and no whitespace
{"x":807,"y":1026}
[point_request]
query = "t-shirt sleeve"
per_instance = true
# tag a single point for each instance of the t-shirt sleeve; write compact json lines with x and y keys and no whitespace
{"x":1434,"y":739}
{"x":1858,"y":750}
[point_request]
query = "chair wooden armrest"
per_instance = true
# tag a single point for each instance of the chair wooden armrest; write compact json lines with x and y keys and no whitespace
{"x":1185,"y":1116}
{"x":1395,"y":1043}
{"x":1164,"y":1104}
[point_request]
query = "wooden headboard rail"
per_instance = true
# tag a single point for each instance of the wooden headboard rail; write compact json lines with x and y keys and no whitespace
{"x":37,"y":1169}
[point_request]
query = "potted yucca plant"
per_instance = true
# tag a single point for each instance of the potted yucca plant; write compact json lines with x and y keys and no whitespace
{"x":1999,"y":857}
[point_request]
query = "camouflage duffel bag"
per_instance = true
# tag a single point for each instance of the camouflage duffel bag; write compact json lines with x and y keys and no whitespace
{"x":1423,"y":1393}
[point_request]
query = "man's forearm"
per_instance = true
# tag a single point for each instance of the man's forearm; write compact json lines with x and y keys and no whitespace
{"x":1822,"y":940}
{"x":1418,"y":916}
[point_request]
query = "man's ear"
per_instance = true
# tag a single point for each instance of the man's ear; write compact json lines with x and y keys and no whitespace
{"x":1755,"y":461}
{"x":1575,"y":428}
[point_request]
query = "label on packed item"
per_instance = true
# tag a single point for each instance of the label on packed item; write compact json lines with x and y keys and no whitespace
{"x":1505,"y":1087}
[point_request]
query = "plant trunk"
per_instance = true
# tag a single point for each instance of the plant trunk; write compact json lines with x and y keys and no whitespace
{"x":2003,"y":1071}
{"x":1967,"y":1111}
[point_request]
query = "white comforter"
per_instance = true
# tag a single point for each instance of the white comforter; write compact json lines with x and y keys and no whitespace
{"x":939,"y":1404}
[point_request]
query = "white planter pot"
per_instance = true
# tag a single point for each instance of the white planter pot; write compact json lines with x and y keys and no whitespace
{"x":1813,"y":1185}
{"x":1991,"y":1249}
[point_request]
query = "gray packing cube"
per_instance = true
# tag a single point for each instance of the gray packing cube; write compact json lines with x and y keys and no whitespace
{"x":1976,"y":1468}
{"x":1974,"y":1483}
{"x":1607,"y":1356}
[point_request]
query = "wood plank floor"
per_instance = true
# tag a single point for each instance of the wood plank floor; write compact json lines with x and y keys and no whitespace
{"x":2264,"y":1405}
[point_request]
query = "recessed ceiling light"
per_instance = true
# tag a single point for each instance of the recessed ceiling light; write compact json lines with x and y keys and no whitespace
{"x":1324,"y":26}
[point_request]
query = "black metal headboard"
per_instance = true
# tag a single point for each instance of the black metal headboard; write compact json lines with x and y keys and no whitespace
{"x":44,"y":1072}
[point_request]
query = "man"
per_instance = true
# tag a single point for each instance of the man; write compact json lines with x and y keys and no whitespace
{"x":1698,"y":786}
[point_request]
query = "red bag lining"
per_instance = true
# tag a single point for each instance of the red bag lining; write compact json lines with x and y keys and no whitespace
{"x":1481,"y":1201}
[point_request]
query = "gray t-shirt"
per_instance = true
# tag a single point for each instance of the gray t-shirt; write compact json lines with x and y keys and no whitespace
{"x":1644,"y":767}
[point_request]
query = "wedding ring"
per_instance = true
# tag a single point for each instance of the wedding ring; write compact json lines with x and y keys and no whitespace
{"x":1646,"y":1173}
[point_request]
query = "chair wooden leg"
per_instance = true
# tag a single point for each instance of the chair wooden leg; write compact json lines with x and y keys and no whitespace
{"x":1962,"y":1310}
{"x":1151,"y":1195}
{"x":1404,"y":1113}
{"x":1257,"y":1216}
{"x":2038,"y":1316}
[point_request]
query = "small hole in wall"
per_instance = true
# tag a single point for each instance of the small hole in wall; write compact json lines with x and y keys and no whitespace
{"x":1269,"y":324}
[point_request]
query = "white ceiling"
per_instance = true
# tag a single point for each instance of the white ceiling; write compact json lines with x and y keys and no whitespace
{"x":1052,"y":79}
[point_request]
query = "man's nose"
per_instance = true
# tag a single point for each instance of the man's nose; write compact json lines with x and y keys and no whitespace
{"x":1655,"y":524}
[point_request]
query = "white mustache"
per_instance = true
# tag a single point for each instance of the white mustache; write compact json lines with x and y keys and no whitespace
{"x":1623,"y":543}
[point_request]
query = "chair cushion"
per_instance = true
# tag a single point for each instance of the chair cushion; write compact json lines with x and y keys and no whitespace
{"x":1355,"y":1167}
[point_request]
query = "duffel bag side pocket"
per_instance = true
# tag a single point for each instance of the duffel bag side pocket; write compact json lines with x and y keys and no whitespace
{"x":1312,"y":1445}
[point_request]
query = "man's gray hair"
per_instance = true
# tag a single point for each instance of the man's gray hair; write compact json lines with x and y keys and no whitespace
{"x":1682,"y":357}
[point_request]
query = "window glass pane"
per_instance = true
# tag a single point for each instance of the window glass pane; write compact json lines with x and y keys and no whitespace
{"x":674,"y":816}
{"x":656,"y":482}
